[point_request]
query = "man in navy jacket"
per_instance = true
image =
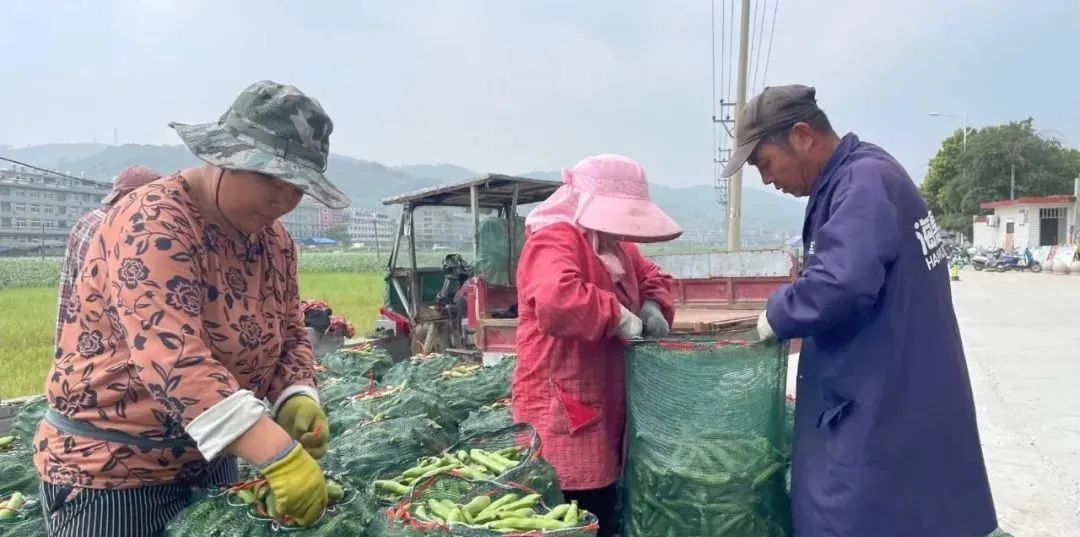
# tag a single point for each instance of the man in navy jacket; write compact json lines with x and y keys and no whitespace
{"x":886,"y":441}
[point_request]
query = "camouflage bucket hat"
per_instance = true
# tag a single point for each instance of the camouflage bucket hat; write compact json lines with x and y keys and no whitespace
{"x":272,"y":129}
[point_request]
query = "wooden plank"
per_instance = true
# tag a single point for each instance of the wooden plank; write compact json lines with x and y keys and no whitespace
{"x":702,"y":320}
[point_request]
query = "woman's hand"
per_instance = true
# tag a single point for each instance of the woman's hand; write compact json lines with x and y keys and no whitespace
{"x":305,"y":421}
{"x":294,"y":477}
{"x":653,"y":317}
{"x":298,"y":486}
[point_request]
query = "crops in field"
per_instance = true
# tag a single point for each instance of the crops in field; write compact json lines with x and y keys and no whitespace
{"x":29,"y":272}
{"x":37,"y":272}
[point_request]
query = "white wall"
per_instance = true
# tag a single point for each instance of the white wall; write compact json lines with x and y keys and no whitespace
{"x":1024,"y":234}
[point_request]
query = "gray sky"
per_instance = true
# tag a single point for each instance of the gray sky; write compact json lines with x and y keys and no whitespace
{"x":504,"y":85}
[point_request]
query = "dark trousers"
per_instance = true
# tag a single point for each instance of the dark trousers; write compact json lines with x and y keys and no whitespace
{"x":137,"y":512}
{"x":600,"y":502}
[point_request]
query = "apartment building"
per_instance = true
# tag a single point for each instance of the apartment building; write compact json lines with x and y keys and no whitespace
{"x":371,"y":228}
{"x":303,"y":221}
{"x":39,"y":208}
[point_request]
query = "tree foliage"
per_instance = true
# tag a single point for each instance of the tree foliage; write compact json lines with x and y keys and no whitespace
{"x":338,"y":233}
{"x":960,"y":179}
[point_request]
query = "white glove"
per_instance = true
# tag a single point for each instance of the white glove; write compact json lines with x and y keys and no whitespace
{"x":630,"y":325}
{"x":765,"y":332}
{"x":655,"y":323}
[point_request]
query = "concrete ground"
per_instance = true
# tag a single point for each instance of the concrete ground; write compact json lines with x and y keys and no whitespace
{"x":1022,"y":336}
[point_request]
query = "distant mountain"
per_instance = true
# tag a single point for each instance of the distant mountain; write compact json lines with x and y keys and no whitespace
{"x":696,"y":207}
{"x":444,"y":173}
{"x":367,"y":182}
{"x":52,"y":156}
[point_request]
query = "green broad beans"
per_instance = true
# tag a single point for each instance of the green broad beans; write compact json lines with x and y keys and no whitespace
{"x":505,"y":513}
{"x":472,"y":464}
{"x":708,"y":489}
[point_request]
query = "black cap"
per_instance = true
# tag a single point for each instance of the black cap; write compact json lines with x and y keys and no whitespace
{"x":773,"y":109}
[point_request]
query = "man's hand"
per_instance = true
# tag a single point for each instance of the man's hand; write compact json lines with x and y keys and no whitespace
{"x":655,"y":323}
{"x":630,"y":325}
{"x":764,"y":330}
{"x":305,"y":421}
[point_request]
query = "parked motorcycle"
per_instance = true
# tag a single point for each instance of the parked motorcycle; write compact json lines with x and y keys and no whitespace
{"x":1022,"y":261}
{"x":1000,"y":261}
{"x":981,"y":260}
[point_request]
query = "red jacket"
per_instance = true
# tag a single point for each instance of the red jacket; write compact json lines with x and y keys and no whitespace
{"x":569,"y":381}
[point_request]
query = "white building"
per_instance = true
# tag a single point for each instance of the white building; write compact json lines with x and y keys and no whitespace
{"x":370,"y":228}
{"x":1029,"y":223}
{"x":38,"y":208}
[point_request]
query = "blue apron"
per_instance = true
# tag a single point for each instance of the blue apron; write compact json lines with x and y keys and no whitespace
{"x":886,"y":442}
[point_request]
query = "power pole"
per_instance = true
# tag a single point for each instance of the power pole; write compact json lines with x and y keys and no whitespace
{"x":1012,"y":181}
{"x":375,"y":223}
{"x":735,"y":187}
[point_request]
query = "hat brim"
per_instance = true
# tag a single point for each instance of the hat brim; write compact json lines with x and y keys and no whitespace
{"x":215,"y":145}
{"x":629,"y":220}
{"x":111,"y":197}
{"x":739,"y":157}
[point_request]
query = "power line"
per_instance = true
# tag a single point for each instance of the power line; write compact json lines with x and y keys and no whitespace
{"x":712,"y":51}
{"x":758,"y":48}
{"x":31,"y":166}
{"x":768,"y":56}
{"x":731,"y":48}
{"x":754,"y":31}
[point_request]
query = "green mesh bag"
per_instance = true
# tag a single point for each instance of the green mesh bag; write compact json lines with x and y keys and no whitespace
{"x":28,"y":521}
{"x":25,"y":423}
{"x":422,"y":369}
{"x":531,"y":470}
{"x":336,"y":390}
{"x":496,"y":259}
{"x":469,"y":387}
{"x":375,"y":402}
{"x":387,"y":447}
{"x":706,"y":452}
{"x":219,"y":514}
{"x":401,"y":520}
{"x":358,"y":361}
{"x":18,"y":473}
{"x":491,"y":418}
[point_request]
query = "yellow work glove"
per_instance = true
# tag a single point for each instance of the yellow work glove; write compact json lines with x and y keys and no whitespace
{"x":298,"y":486}
{"x":305,"y":421}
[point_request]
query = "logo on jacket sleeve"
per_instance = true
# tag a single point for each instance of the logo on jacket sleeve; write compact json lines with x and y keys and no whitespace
{"x":928,"y":234}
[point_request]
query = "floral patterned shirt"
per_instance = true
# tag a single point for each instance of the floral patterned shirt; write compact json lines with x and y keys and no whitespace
{"x":170,"y":316}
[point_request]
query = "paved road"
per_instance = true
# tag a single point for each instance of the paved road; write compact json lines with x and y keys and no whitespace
{"x":1022,"y":337}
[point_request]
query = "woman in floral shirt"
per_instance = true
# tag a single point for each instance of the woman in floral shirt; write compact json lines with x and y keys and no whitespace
{"x":184,"y":345}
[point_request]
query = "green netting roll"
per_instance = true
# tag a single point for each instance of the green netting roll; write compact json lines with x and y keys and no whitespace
{"x":361,"y":454}
{"x":707,"y":451}
{"x":496,"y":259}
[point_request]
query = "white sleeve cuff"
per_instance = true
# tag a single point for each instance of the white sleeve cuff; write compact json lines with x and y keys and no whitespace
{"x":295,"y":389}
{"x":220,"y":426}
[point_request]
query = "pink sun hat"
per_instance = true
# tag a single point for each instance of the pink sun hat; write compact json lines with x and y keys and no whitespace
{"x":608,"y":194}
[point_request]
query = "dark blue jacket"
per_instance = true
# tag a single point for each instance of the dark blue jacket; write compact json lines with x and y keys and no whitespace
{"x":886,"y":442}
